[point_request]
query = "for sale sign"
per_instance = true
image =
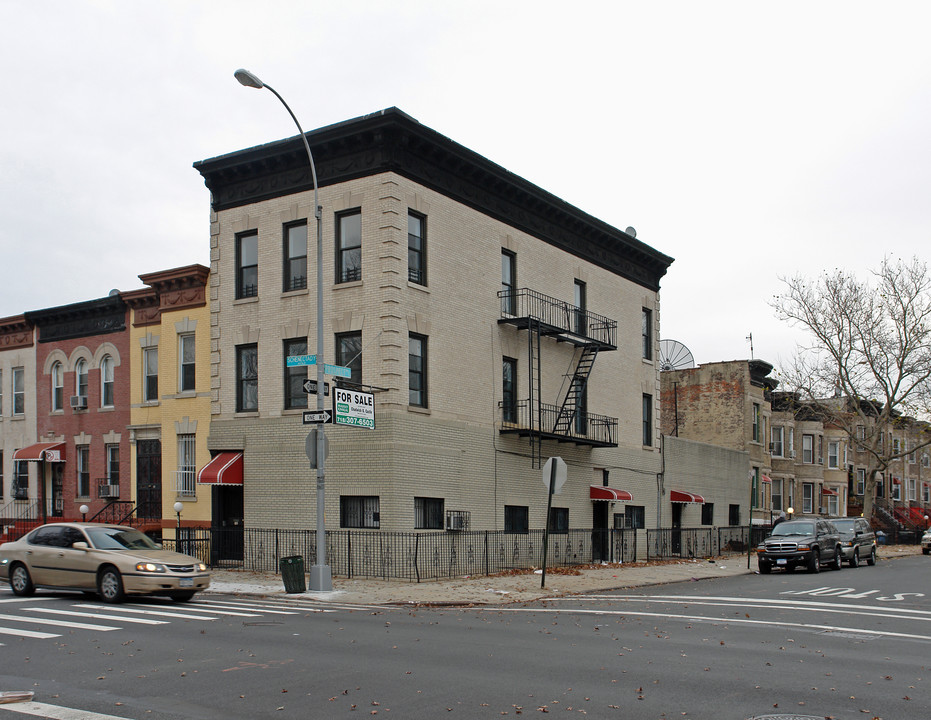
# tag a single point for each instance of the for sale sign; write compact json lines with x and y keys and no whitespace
{"x":351,"y":407}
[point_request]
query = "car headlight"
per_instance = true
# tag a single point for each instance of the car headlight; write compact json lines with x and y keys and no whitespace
{"x":151,"y":567}
{"x":849,"y":543}
{"x":201,"y":567}
{"x":804,"y":547}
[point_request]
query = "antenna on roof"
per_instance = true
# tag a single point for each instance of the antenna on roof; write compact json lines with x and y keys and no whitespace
{"x":750,"y":339}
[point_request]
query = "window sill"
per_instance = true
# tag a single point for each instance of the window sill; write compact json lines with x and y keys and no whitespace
{"x":246,"y":300}
{"x":417,"y":286}
{"x":349,"y":284}
{"x":293,"y":293}
{"x":419,"y":410}
{"x":246,"y":413}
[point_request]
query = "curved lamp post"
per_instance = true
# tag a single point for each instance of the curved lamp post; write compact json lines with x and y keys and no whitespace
{"x":321,"y":578}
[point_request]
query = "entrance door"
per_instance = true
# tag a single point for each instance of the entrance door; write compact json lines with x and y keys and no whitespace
{"x":58,"y":493}
{"x":149,"y":479}
{"x":227,"y":523}
{"x":676,"y":528}
{"x":600,"y":532}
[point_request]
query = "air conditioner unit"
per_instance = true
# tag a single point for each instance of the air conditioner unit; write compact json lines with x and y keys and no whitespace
{"x":79,"y":402}
{"x":455,"y":522}
{"x":109,"y":491}
{"x":792,"y":454}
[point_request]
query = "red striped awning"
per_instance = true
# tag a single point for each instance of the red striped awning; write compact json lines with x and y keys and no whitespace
{"x":766,"y":478}
{"x":602,"y":492}
{"x":51,"y":451}
{"x":828,"y":491}
{"x":224,"y":469}
{"x":680,"y":496}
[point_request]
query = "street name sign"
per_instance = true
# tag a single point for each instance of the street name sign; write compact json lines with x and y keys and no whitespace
{"x":309,"y":417}
{"x":300,"y":360}
{"x":351,"y":407}
{"x":337,"y":370}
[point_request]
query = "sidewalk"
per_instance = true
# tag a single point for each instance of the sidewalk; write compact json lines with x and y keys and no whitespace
{"x":502,"y":589}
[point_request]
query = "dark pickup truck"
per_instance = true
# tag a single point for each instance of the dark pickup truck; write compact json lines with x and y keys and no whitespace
{"x":810,"y":542}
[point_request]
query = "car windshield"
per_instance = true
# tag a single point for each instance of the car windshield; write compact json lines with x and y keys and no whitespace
{"x":796,"y":527}
{"x":843,"y":525}
{"x":114,"y":538}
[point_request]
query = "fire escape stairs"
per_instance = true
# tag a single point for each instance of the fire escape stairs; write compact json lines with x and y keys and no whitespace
{"x":570,"y":406}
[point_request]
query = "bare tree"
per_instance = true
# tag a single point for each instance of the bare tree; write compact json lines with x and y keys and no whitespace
{"x":866,"y":367}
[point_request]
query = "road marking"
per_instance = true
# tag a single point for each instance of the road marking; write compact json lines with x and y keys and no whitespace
{"x":795,"y":603}
{"x":26,"y":633}
{"x":713,"y":621}
{"x":252,"y":606}
{"x":138,"y":621}
{"x":139,"y":611}
{"x":56,"y":712}
{"x":23,"y":599}
{"x":56,"y":623}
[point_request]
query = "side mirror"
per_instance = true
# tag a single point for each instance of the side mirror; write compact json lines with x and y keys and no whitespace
{"x":80,"y":545}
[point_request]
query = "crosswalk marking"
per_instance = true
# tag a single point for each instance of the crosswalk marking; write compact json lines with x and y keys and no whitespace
{"x":56,"y":623}
{"x":141,"y":611}
{"x":138,"y":621}
{"x":27,"y":633}
{"x":263,"y":608}
{"x":56,"y":712}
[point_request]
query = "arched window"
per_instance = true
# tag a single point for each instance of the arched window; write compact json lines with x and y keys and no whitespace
{"x":80,"y":378}
{"x":106,"y":381}
{"x":58,"y":387}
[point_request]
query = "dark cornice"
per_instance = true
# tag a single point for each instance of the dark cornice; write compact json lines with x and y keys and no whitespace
{"x":83,"y":319}
{"x":392,"y":141}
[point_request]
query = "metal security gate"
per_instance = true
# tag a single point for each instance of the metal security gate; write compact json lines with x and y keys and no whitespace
{"x":149,"y":479}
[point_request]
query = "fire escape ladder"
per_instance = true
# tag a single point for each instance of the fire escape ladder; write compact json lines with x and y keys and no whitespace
{"x":536,"y":393}
{"x":569,"y":409}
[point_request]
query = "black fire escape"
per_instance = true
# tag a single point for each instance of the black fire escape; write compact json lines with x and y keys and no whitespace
{"x":569,"y":421}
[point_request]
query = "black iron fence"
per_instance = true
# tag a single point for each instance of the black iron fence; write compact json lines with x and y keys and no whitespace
{"x":702,"y":542}
{"x":405,"y":555}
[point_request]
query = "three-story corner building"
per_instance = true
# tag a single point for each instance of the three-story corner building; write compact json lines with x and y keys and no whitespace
{"x":495,"y":325}
{"x":81,"y":384}
{"x":170,"y":398}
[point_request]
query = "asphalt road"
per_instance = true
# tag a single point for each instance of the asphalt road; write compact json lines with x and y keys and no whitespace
{"x":848,"y":644}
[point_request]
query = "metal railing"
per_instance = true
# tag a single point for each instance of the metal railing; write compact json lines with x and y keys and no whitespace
{"x":186,"y":482}
{"x":414,"y":557}
{"x":558,"y":315}
{"x":702,"y":542}
{"x":543,"y":417}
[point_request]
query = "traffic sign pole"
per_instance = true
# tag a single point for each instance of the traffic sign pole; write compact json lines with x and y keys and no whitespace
{"x":546,"y":525}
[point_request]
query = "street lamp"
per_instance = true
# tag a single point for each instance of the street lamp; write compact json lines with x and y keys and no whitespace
{"x":321,"y":578}
{"x":84,"y":510}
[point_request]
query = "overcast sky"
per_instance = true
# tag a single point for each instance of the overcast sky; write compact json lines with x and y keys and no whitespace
{"x":749,"y":141}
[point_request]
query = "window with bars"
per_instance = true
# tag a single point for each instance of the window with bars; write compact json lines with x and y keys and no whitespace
{"x":247,"y":378}
{"x":359,"y":511}
{"x":20,"y":486}
{"x":516,"y":519}
{"x":417,"y":370}
{"x":247,"y":264}
{"x":295,"y":256}
{"x":187,"y":470}
{"x":349,"y":246}
{"x":428,"y":513}
{"x":416,"y":248}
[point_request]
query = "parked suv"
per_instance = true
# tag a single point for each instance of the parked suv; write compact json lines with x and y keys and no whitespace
{"x":857,"y":540}
{"x":808,"y":541}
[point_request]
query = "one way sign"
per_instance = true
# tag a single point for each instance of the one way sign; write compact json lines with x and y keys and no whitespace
{"x":309,"y":417}
{"x":310,"y":387}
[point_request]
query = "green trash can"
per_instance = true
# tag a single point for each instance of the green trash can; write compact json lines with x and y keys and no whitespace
{"x":292,"y":572}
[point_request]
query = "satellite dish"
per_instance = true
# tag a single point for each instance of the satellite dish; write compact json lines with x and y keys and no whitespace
{"x":673,"y":355}
{"x":631,"y":231}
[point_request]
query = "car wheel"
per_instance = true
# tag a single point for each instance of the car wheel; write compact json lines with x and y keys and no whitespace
{"x":765,"y":568}
{"x":838,"y":562}
{"x":926,"y":551}
{"x":182,"y":596}
{"x":814,"y":562}
{"x":21,"y":581}
{"x":855,"y":560}
{"x":110,"y":585}
{"x":871,"y":560}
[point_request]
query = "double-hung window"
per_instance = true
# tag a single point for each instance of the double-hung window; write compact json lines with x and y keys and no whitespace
{"x":20,"y":487}
{"x":106,"y":381}
{"x":186,"y":364}
{"x":247,"y":264}
{"x":416,"y":248}
{"x":294,"y":377}
{"x":757,"y":431}
{"x":295,"y":256}
{"x":19,"y":391}
{"x":777,"y":494}
{"x":150,"y":374}
{"x":808,"y":451}
{"x":646,"y":333}
{"x":833,"y":454}
{"x":247,"y":378}
{"x":58,"y":387}
{"x":808,"y":497}
{"x":187,"y":471}
{"x":349,"y":246}
{"x":113,"y":464}
{"x":417,"y":370}
{"x":647,"y":420}
{"x":776,"y":443}
{"x":349,"y":354}
{"x":84,"y":471}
